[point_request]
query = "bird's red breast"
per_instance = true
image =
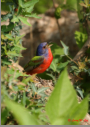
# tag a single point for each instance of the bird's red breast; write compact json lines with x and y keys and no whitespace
{"x":42,"y":67}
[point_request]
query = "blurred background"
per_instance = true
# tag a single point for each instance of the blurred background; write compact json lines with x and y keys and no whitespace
{"x":46,"y":29}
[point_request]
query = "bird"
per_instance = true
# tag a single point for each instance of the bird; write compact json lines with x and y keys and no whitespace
{"x":39,"y":63}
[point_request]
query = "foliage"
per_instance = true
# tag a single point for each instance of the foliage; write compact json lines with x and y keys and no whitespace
{"x":10,"y":47}
{"x":81,"y":69}
{"x":80,"y":38}
{"x":54,"y":112}
{"x":10,"y":36}
{"x":67,"y":106}
{"x":22,"y":102}
{"x":24,"y":93}
{"x":26,"y":119}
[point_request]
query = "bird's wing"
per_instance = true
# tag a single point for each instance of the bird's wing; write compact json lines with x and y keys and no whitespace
{"x":33,"y":63}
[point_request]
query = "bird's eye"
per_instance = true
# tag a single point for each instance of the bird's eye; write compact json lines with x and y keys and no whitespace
{"x":44,"y":47}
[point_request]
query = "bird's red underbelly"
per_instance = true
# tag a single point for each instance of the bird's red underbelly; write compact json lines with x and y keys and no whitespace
{"x":41,"y":68}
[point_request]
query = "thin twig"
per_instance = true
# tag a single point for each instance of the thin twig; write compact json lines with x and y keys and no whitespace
{"x":72,"y":60}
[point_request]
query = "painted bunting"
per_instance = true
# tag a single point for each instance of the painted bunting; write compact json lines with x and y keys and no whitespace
{"x":41,"y":61}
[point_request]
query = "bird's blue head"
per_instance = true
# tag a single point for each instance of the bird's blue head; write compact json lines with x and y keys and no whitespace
{"x":42,"y":49}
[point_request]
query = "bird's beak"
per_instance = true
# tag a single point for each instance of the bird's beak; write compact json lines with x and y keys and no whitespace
{"x":48,"y":45}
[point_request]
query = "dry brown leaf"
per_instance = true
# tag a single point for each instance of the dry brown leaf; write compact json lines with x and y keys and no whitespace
{"x":78,"y":78}
{"x":33,"y":77}
{"x":20,"y":83}
{"x":81,"y":65}
{"x":10,"y":86}
{"x":86,"y":59}
{"x":82,"y":4}
{"x":17,"y":66}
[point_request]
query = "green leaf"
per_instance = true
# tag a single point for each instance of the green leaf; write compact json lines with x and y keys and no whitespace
{"x":74,"y":67}
{"x":65,"y":48}
{"x":62,"y":66}
{"x":52,"y":76}
{"x":56,"y":50}
{"x":5,"y":17}
{"x":24,"y":99}
{"x":34,"y":88}
{"x":40,"y":90}
{"x":6,"y":62}
{"x":32,"y":15}
{"x":30,"y":3}
{"x":7,"y":28}
{"x":63,"y":98}
{"x":4,"y":114}
{"x":9,"y":36}
{"x":15,"y":19}
{"x":79,"y":111}
{"x":29,"y":9}
{"x":24,"y":20}
{"x":21,"y":114}
{"x":12,"y":53}
{"x":19,"y":37}
{"x":80,"y":92}
{"x":21,"y":3}
{"x":80,"y":38}
{"x":27,"y":79}
{"x":27,"y":4}
{"x":19,"y":46}
{"x":53,"y":66}
{"x":16,"y":74}
{"x":57,"y":59}
{"x":43,"y":95}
